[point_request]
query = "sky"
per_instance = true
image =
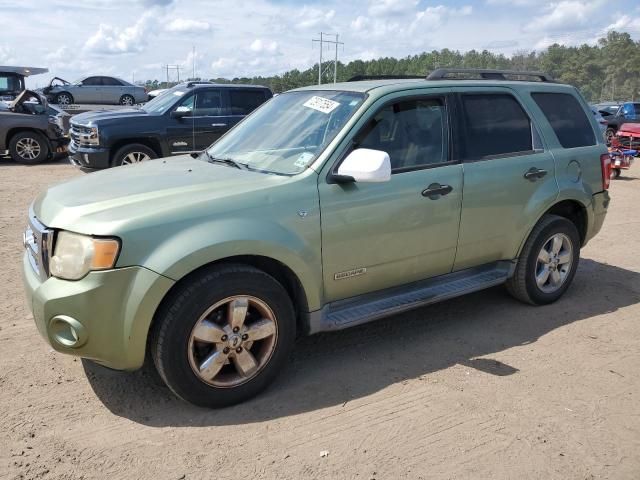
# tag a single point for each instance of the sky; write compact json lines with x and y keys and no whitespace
{"x":133,"y":39}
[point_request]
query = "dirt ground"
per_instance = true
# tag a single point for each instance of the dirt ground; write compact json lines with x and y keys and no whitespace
{"x":475,"y":388}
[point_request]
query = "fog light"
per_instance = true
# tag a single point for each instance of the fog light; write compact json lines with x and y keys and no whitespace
{"x":67,"y":331}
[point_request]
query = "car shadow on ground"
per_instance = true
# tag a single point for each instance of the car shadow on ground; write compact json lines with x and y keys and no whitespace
{"x":7,"y":161}
{"x":332,"y":369}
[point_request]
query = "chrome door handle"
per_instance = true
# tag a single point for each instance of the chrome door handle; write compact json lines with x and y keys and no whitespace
{"x":534,"y":174}
{"x":218,"y":124}
{"x":435,"y":191}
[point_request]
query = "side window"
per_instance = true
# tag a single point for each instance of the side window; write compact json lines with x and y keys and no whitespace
{"x":208,"y":103}
{"x":414,"y":133}
{"x":243,"y":102}
{"x":567,"y":118}
{"x":111,"y":82}
{"x":92,"y":81}
{"x":187,"y":103}
{"x":494,"y":124}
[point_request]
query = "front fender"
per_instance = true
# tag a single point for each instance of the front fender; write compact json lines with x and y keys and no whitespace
{"x":193,"y":247}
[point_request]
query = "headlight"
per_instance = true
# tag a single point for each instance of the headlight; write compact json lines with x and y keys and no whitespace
{"x":88,"y":136}
{"x":76,"y":255}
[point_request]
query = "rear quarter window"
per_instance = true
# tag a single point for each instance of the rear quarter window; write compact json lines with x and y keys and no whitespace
{"x":567,"y":118}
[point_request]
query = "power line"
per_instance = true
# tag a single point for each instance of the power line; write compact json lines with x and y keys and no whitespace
{"x":322,"y":42}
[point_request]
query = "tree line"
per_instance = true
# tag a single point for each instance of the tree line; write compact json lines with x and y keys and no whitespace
{"x":607,"y":70}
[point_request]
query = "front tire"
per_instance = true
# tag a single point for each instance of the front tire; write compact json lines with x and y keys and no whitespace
{"x":223,"y":336}
{"x":64,"y":98}
{"x":134,"y":153}
{"x":548,"y":262}
{"x":127,"y":100}
{"x":608,"y":135}
{"x":28,"y":148}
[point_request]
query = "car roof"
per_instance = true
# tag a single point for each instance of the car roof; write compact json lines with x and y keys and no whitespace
{"x":388,"y":86}
{"x":219,"y":85}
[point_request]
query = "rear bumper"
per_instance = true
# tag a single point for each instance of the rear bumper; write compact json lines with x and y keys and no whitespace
{"x":599,"y":207}
{"x":110,"y":312}
{"x":89,"y":158}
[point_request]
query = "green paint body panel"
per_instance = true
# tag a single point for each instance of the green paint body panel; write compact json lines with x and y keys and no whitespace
{"x":176,"y":215}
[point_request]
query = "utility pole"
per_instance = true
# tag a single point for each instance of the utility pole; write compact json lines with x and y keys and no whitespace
{"x":322,"y":42}
{"x":173,"y":67}
{"x":193,"y":59}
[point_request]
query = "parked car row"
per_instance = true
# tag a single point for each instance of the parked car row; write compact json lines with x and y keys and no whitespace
{"x":617,"y":114}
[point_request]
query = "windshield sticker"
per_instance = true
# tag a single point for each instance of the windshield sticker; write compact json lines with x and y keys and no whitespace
{"x":321,"y":104}
{"x":178,"y":93}
{"x":303,"y":159}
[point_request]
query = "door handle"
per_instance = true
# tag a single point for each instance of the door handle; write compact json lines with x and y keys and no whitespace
{"x":534,"y":174}
{"x":435,"y":191}
{"x":218,"y":124}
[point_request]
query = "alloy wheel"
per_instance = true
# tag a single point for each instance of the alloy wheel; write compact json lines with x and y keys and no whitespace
{"x":554,"y":263}
{"x":135,"y":157}
{"x":64,"y":99}
{"x":126,"y":100}
{"x":28,"y":148}
{"x":232,"y":341}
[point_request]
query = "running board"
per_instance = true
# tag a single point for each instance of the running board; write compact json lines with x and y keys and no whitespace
{"x":373,"y":306}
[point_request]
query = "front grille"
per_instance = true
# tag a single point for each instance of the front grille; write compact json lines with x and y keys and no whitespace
{"x":38,"y":241}
{"x":629,"y":142}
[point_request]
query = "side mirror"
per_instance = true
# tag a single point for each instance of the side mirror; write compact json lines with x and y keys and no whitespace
{"x":364,"y":165}
{"x":181,"y":112}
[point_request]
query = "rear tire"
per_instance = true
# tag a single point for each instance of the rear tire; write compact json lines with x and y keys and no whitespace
{"x":133,"y":153}
{"x":529,"y":283}
{"x":195,"y":369}
{"x":29,"y":148}
{"x":615,"y":173}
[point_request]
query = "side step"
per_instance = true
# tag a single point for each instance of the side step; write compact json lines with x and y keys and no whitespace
{"x":366,"y":308}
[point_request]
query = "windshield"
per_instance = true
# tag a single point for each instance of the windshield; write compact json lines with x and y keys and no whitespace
{"x":10,"y":83}
{"x":163,"y":102}
{"x":288,"y":132}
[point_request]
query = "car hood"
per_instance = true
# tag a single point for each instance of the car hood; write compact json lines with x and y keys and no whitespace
{"x":628,"y":129}
{"x":108,"y":116}
{"x":160,"y":191}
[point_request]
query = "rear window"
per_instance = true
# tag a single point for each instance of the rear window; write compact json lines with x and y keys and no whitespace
{"x":567,"y":118}
{"x":244,"y":102}
{"x":494,"y":124}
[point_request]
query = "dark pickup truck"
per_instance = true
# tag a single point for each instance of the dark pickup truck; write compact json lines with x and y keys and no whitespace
{"x":186,"y":118}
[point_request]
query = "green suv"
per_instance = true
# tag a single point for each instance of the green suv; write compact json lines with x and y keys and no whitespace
{"x":329,"y":206}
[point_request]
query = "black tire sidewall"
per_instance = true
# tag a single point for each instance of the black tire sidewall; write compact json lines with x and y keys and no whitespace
{"x":558,"y":225}
{"x":127,"y":149}
{"x":38,"y":137}
{"x":171,"y":356}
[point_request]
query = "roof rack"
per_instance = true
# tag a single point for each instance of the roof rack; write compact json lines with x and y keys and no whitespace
{"x":197,"y":82}
{"x":359,"y":78}
{"x":445,"y":73}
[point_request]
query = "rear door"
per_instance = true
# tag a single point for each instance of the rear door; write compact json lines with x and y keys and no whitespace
{"x":112,"y":89}
{"x":509,"y":175}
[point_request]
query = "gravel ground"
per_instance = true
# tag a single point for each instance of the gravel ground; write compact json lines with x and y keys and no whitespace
{"x":478,"y":387}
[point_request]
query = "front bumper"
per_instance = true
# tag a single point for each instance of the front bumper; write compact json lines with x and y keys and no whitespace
{"x":88,"y":157}
{"x":114,"y":310}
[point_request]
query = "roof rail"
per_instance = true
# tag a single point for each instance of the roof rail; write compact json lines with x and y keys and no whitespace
{"x":359,"y":78}
{"x":198,"y":82}
{"x":485,"y":74}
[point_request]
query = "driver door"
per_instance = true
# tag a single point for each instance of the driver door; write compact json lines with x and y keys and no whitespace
{"x":382,"y":235}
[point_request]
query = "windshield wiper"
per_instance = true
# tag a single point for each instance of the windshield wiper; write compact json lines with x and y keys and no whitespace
{"x":226,"y":161}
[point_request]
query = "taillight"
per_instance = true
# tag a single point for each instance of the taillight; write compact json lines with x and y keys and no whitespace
{"x":605,"y":163}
